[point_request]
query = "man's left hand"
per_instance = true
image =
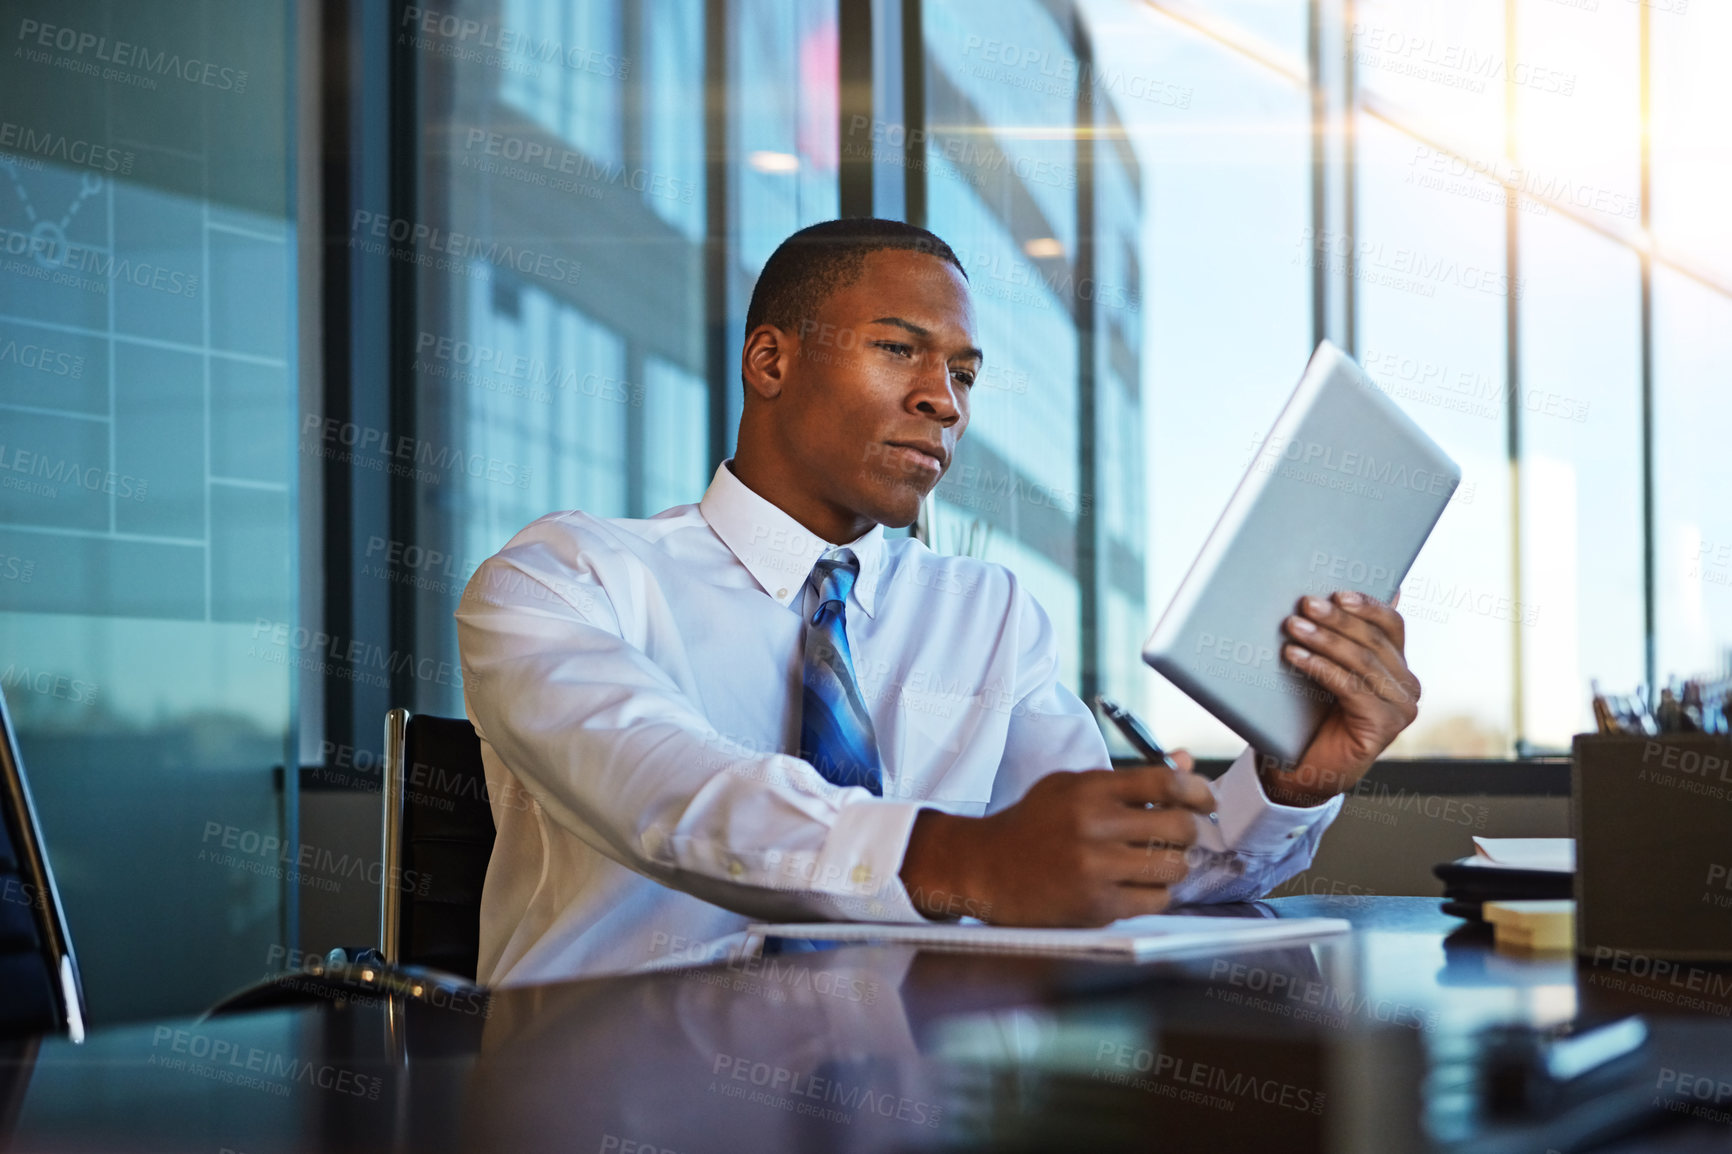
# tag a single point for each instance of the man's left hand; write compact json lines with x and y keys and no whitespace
{"x":1351,"y":645}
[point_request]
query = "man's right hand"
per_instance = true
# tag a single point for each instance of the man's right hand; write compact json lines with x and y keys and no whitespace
{"x":1079,"y":849}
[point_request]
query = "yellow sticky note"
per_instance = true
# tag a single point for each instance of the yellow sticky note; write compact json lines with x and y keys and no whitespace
{"x":1533,"y":926}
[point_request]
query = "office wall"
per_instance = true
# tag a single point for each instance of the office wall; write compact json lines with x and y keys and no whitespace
{"x":1385,"y":841}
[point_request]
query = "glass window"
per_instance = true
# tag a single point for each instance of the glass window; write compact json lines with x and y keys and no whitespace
{"x":1581,"y":608}
{"x":1692,"y":518}
{"x":1024,"y":328}
{"x":566,"y":72}
{"x":784,"y":146}
{"x":1119,"y":476}
{"x":1222,"y":257}
{"x":675,"y":437}
{"x":147,"y":485}
{"x":1278,"y":25}
{"x":673,"y":131}
{"x":1432,"y":291}
{"x":1002,"y":191}
{"x":1691,"y":141}
{"x":1443,"y":65}
{"x":786,"y":124}
{"x":1008,"y":67}
{"x":1193,"y":181}
{"x":567,"y":365}
{"x":1580,"y":149}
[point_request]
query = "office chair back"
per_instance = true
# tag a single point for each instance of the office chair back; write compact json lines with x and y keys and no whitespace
{"x":40,"y":990}
{"x":438,"y":837}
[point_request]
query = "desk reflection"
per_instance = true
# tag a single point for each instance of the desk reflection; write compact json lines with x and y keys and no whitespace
{"x":1356,"y":1043}
{"x":792,"y":1051}
{"x":877,"y":1048}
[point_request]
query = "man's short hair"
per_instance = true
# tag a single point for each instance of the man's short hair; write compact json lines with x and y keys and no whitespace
{"x":816,"y":261}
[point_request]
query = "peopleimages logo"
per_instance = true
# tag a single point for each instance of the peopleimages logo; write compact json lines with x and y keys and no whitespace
{"x":1193,"y":1081}
{"x":41,"y":475}
{"x":65,"y":149}
{"x":250,"y":849}
{"x":124,"y":55}
{"x":1406,"y":269}
{"x":42,"y":359}
{"x":1364,"y":466}
{"x":975,"y":160}
{"x":481,"y":42}
{"x":226,"y":1061}
{"x":585,"y":172}
{"x":21,"y":678}
{"x":66,"y":261}
{"x":437,"y":354}
{"x":1062,"y":74}
{"x":814,"y":1095}
{"x":446,"y":251}
{"x":1464,"y":391}
{"x":348,"y":443}
{"x":1451,"y":65}
{"x":329,"y":654}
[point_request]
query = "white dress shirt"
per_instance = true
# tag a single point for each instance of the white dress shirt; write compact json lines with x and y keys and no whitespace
{"x":636,"y":683}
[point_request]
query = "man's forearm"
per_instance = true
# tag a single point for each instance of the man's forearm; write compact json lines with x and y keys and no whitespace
{"x":935,"y":867}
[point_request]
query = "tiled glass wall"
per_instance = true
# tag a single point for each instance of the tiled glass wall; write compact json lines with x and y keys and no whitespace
{"x":147,"y":483}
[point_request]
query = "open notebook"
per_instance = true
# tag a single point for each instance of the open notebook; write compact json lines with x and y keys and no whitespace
{"x":1133,"y":939}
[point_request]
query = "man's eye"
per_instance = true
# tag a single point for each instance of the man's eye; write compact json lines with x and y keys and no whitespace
{"x":898,"y":349}
{"x":966,"y":377}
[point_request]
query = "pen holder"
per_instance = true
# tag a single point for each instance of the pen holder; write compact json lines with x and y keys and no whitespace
{"x":1653,"y":825}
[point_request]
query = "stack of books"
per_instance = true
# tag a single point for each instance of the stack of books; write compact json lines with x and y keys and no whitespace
{"x":1507,"y":869}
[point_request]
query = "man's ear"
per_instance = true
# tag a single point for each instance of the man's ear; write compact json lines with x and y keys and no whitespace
{"x":765,"y":360}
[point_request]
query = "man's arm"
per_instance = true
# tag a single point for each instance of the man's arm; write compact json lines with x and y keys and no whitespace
{"x":1084,"y":848}
{"x":610,"y":747}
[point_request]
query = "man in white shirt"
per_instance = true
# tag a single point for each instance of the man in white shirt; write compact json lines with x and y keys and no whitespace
{"x":644,"y":689}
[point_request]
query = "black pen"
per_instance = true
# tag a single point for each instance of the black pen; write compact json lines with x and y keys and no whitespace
{"x":1138,"y":735}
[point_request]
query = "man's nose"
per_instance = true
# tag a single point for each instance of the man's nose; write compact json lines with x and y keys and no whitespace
{"x":934,"y":394}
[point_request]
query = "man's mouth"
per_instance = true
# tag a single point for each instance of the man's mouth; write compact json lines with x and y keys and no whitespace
{"x":924,"y":456}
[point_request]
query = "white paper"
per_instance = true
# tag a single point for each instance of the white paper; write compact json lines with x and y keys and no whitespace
{"x":1151,"y":936}
{"x":1529,"y":853}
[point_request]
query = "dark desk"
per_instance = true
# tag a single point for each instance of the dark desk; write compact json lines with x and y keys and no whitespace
{"x":1358,"y":1043}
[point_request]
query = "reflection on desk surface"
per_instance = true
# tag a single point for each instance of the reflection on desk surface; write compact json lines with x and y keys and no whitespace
{"x":1365,"y":1042}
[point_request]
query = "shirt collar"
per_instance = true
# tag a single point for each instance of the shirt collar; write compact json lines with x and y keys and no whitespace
{"x":777,"y":550}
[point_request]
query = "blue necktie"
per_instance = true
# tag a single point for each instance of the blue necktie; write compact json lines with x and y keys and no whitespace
{"x":835,"y":729}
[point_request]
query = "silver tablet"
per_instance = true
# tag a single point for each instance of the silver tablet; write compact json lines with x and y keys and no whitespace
{"x":1341,"y":494}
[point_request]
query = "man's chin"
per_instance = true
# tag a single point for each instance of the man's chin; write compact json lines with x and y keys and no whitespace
{"x":897,"y":517}
{"x":899,"y":507}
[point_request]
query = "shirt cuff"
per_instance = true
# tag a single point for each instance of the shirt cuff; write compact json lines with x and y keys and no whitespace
{"x":861,"y":862}
{"x":1252,"y":824}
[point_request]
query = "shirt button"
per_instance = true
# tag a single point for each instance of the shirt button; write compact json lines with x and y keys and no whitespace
{"x":736,"y":868}
{"x":862,"y":874}
{"x":1293,"y":833}
{"x":781,"y":593}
